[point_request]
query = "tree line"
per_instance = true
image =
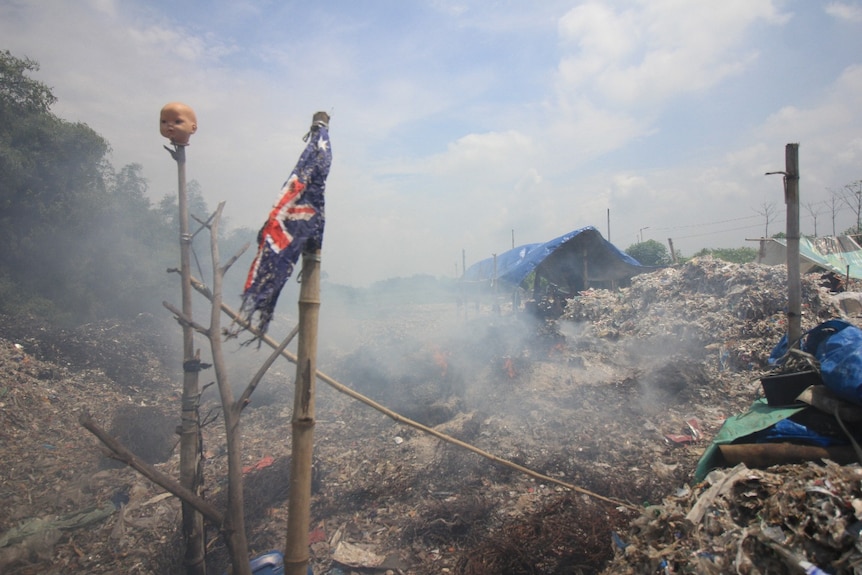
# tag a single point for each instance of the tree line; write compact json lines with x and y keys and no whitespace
{"x":80,"y":239}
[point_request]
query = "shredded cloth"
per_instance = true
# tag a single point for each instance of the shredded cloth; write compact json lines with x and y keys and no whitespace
{"x":295,"y":224}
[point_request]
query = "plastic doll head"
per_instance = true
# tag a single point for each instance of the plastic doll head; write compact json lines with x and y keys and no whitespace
{"x":177,"y":123}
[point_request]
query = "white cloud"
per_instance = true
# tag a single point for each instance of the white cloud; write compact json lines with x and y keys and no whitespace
{"x":849,"y":11}
{"x":647,"y":54}
{"x":828,"y":132}
{"x":716,"y":203}
{"x":582,"y":130}
{"x":478,"y":153}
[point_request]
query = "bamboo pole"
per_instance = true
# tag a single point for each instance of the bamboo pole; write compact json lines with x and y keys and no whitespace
{"x":302,"y":423}
{"x":190,"y":470}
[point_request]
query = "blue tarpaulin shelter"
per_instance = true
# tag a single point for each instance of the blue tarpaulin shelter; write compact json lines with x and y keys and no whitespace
{"x":572,"y":261}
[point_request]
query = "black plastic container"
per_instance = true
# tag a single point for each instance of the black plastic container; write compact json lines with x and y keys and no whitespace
{"x":782,"y":389}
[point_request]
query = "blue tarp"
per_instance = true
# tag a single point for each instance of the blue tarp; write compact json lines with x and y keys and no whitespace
{"x":571,"y":260}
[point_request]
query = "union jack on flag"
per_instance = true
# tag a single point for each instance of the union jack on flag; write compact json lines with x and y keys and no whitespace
{"x":294,"y":225}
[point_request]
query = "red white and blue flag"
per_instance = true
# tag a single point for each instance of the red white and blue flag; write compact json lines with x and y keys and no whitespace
{"x":295,"y":224}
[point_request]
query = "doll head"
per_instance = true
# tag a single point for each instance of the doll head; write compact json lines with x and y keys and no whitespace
{"x":178,"y":122}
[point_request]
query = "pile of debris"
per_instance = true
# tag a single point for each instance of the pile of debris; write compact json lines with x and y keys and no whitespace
{"x":68,"y":508}
{"x":620,"y":397}
{"x":782,"y":520}
{"x":714,"y":309}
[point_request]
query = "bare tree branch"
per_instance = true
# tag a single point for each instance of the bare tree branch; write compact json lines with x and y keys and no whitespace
{"x":123,"y":454}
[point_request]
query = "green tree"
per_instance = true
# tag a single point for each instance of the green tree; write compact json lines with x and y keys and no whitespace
{"x":198,"y":208}
{"x":650,"y":253}
{"x":734,"y":255}
{"x":51,"y":182}
{"x":131,"y":248}
{"x":18,"y":92}
{"x":79,"y":241}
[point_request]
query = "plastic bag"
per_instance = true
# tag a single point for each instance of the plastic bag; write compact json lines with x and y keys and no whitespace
{"x":837,"y":346}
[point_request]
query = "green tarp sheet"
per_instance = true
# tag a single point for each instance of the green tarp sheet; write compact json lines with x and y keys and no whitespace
{"x":759,"y":417}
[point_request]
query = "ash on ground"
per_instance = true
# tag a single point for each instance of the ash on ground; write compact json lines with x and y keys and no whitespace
{"x":620,"y":396}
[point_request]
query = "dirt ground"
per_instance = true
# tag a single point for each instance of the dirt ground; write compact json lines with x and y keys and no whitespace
{"x":619,"y":397}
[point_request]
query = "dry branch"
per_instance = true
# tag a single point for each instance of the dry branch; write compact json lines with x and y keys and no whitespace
{"x":121,"y":453}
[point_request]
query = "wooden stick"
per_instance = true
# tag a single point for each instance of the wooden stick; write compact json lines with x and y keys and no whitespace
{"x":190,"y":455}
{"x":123,"y":454}
{"x":234,"y":525}
{"x":244,"y":399}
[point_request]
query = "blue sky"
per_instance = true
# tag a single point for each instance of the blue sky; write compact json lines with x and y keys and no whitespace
{"x":456,"y":124}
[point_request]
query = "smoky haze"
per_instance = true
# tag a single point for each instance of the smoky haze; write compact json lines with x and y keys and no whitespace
{"x":429,"y":353}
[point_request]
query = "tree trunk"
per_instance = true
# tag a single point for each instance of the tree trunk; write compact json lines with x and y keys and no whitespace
{"x":234,"y":527}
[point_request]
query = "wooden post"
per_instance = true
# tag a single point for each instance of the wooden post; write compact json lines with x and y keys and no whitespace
{"x":586,"y":269}
{"x":794,"y":282}
{"x":496,"y":305}
{"x":302,"y":424}
{"x":672,"y":252}
{"x":190,"y":471}
{"x":463,"y":261}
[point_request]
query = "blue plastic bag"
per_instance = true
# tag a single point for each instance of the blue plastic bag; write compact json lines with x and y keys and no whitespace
{"x":840,"y":357}
{"x":837,"y":345}
{"x":789,"y":430}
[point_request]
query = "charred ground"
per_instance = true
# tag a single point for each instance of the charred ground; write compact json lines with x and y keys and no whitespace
{"x":590,"y":399}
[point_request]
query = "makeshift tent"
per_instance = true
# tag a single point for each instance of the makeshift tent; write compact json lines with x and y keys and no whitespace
{"x":573,"y":262}
{"x":830,"y":253}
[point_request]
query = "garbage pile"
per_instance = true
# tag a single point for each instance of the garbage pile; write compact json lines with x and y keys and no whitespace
{"x":710,"y":307}
{"x":785,"y":519}
{"x":66,"y":507}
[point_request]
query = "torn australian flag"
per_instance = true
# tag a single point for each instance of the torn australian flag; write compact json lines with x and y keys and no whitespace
{"x":295,"y":224}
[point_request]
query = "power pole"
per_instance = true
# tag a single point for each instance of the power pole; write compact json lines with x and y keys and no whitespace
{"x":794,"y":282}
{"x":609,"y":224}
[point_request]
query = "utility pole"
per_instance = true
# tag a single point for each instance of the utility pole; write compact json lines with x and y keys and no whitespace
{"x":609,"y":224}
{"x":794,"y":283}
{"x":641,"y":234}
{"x":463,"y":261}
